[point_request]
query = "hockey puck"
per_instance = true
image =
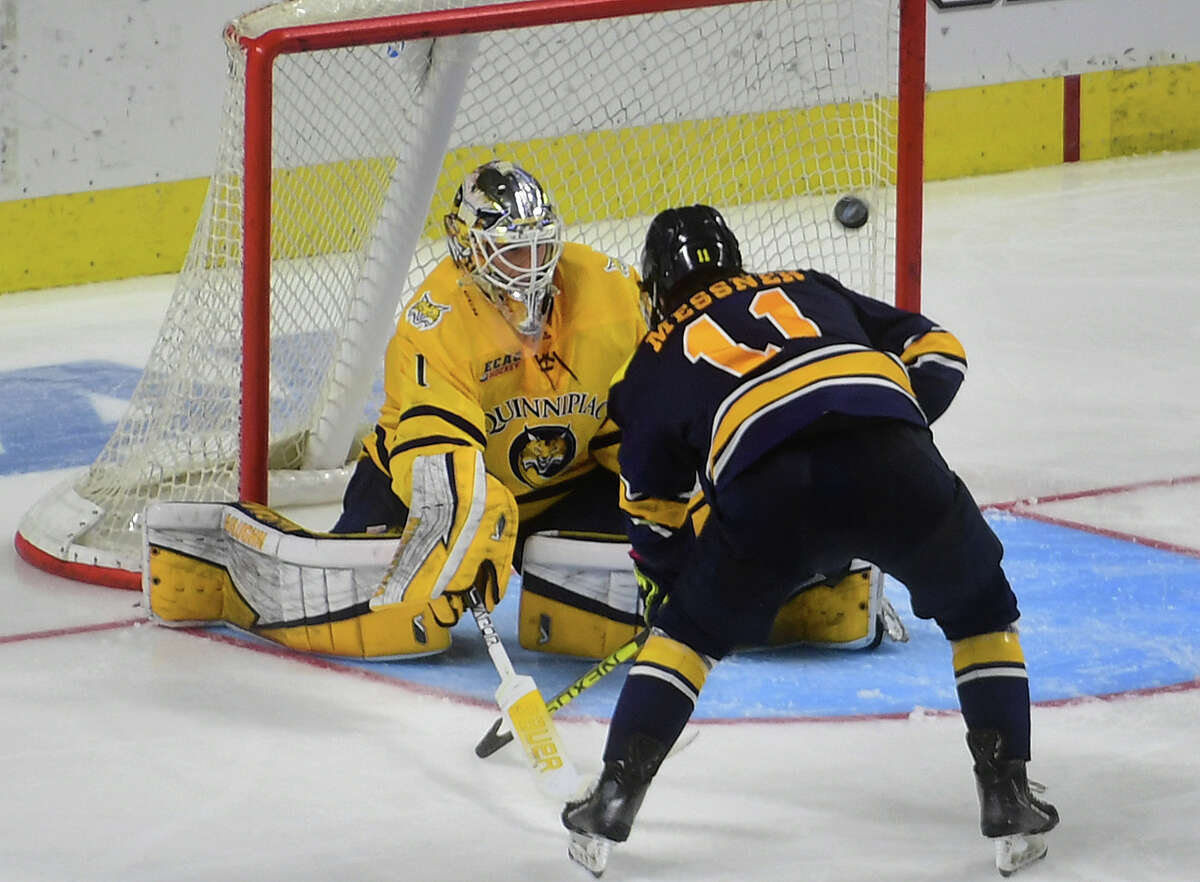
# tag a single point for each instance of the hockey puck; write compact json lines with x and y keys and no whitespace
{"x":851,"y":212}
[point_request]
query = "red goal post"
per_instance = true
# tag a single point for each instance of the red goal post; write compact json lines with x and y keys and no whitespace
{"x":347,"y":128}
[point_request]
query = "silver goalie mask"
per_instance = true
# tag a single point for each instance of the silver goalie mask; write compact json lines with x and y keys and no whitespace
{"x":506,"y":235}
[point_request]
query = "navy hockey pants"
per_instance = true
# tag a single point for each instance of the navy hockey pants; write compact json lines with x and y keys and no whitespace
{"x":880,"y":492}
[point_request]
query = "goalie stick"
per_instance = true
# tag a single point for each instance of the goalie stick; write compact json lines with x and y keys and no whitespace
{"x":525,"y":709}
{"x":494,"y":739}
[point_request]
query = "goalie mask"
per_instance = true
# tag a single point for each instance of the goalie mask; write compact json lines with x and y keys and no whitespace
{"x":506,"y":235}
{"x":690,"y":244}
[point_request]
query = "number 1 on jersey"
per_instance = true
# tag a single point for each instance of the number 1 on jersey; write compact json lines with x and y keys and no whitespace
{"x":775,"y":306}
{"x":707,"y":340}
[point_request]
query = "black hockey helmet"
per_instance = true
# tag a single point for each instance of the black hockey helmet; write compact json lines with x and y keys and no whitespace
{"x":683,"y":245}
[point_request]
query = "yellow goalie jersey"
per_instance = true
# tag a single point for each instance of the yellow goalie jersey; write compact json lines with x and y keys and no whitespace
{"x":457,"y":373}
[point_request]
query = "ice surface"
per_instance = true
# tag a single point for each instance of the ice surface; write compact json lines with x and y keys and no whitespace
{"x":135,"y":753}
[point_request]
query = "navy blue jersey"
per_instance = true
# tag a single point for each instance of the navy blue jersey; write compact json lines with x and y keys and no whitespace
{"x":748,"y":362}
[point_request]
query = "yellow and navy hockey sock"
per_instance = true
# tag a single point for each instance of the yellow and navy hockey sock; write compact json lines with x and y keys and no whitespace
{"x":993,"y":687}
{"x":659,"y":695}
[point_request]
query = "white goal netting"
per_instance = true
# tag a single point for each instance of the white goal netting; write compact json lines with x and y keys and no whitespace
{"x":767,"y":110}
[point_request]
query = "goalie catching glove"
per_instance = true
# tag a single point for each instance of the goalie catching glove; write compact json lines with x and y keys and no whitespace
{"x":359,"y":595}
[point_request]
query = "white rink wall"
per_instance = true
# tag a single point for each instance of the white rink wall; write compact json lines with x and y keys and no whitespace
{"x":127,"y":92}
{"x":980,"y":42}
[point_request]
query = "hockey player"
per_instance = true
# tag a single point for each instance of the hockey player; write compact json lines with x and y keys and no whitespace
{"x":508,"y":347}
{"x":494,"y":427}
{"x":803,"y":409}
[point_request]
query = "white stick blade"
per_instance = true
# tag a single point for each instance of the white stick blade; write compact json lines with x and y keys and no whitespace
{"x":526,"y":712}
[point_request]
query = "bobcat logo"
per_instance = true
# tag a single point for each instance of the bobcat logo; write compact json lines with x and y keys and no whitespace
{"x":424,"y":313}
{"x":541,"y":453}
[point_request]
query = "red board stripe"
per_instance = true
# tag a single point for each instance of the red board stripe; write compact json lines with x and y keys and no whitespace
{"x":1071,"y":118}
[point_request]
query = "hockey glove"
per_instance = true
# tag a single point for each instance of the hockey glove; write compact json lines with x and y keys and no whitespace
{"x":652,"y":594}
{"x":450,"y":606}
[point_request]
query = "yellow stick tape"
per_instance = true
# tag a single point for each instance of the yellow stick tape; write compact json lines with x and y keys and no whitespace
{"x":531,"y":721}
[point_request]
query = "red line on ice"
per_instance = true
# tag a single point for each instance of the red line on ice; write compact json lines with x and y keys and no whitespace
{"x":329,"y":664}
{"x":1022,"y":508}
{"x":67,"y":632}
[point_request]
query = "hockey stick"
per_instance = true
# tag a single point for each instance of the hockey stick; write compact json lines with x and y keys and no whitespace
{"x":522,"y":704}
{"x":494,"y":739}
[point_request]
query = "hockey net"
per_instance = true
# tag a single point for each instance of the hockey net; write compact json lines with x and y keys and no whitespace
{"x":348,"y":126}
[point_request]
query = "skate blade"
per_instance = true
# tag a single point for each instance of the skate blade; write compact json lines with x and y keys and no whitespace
{"x":1018,"y":851}
{"x":590,"y":852}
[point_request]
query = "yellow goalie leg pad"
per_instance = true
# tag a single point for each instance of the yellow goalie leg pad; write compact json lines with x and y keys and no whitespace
{"x":186,"y":589}
{"x":391,"y":632}
{"x":247,"y":566}
{"x":361,"y":596}
{"x":549,"y":625}
{"x":841,"y":616}
{"x":189,"y":591}
{"x":578,"y":594}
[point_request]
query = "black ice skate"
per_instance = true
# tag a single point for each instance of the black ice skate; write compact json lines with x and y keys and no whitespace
{"x":1009,"y":813}
{"x":606,"y":813}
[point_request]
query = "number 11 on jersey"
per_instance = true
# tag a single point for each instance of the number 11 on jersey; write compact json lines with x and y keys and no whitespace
{"x":706,"y":340}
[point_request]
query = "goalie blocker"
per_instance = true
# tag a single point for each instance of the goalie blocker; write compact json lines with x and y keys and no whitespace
{"x":579,"y":597}
{"x":361,"y":596}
